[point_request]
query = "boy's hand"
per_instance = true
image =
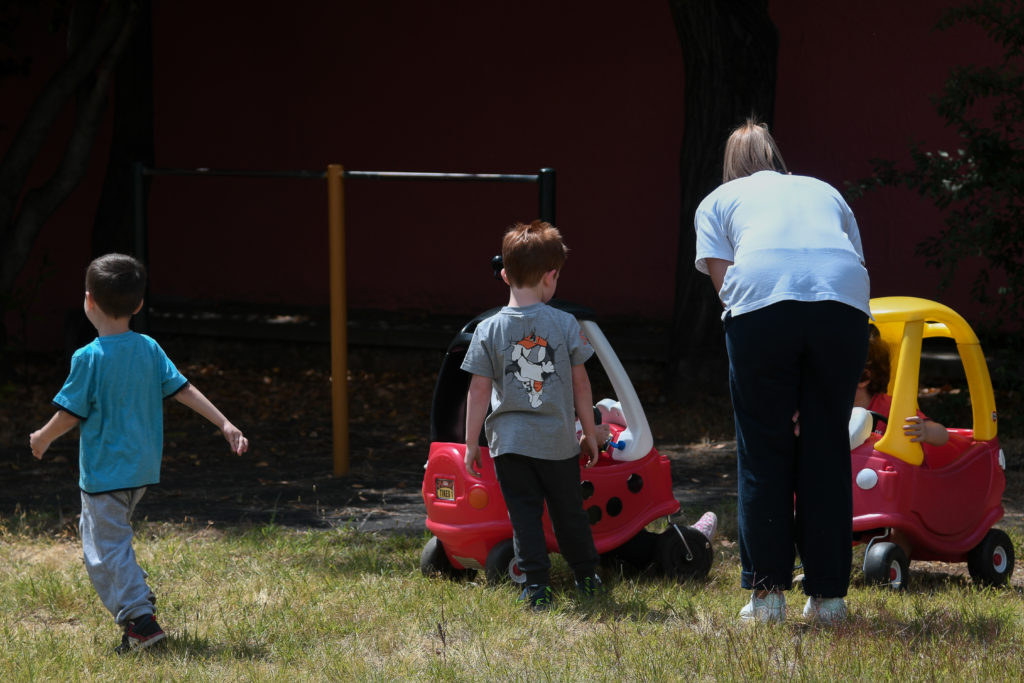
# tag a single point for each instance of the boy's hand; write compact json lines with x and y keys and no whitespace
{"x":914,"y":429}
{"x":922,"y":430}
{"x":590,"y":449}
{"x":473,"y":461}
{"x":61,"y":423}
{"x":38,"y":443}
{"x":238,"y":443}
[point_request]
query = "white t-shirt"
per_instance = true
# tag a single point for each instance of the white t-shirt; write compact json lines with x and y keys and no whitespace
{"x":789,"y":238}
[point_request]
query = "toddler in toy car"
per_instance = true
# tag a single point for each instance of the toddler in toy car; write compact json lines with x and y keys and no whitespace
{"x":871,"y":395}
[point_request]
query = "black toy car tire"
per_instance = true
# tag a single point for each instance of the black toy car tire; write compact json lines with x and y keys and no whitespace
{"x":887,"y":565}
{"x":984,"y":560}
{"x":500,"y":560}
{"x":433,"y":560}
{"x":673,"y":559}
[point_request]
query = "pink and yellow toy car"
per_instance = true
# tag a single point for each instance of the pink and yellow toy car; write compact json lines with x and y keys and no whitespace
{"x":938,"y":503}
{"x":630,"y":486}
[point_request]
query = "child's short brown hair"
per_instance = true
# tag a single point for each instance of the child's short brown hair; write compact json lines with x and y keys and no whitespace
{"x":530,"y":250}
{"x":117,"y":283}
{"x":878,"y":366}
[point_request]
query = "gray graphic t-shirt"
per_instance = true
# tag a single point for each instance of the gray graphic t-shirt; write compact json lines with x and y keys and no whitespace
{"x":528,"y":354}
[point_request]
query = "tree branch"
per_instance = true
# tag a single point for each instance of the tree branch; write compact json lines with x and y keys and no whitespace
{"x":31,"y":135}
{"x":41,"y":202}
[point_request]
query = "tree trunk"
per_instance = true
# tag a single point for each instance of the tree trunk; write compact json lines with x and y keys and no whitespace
{"x":87,"y":72}
{"x":98,"y":34}
{"x":729,"y":55}
{"x":132,"y":141}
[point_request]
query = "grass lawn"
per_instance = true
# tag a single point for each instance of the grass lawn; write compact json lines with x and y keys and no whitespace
{"x":269,"y":603}
{"x":260,"y":602}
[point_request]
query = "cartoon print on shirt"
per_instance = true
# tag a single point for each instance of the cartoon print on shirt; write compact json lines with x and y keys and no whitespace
{"x":532,"y":365}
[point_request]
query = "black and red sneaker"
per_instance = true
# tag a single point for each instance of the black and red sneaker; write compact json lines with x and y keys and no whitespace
{"x":139,"y":634}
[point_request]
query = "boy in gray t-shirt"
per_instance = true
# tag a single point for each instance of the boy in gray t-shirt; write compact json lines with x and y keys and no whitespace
{"x":527,"y":362}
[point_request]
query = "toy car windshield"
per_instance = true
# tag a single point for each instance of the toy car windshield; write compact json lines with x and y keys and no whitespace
{"x":903,"y":323}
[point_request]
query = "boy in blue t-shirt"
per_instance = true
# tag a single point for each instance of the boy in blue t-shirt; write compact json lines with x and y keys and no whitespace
{"x":531,"y":357}
{"x":115,"y":391}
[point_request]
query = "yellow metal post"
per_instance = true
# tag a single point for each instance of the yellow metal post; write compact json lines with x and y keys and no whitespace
{"x":339,"y":319}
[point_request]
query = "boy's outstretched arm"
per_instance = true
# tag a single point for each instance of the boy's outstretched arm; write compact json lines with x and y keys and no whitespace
{"x":194,"y":399}
{"x":476,"y":410}
{"x":61,"y":423}
{"x":584,"y":400}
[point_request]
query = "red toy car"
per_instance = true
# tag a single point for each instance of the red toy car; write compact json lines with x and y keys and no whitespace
{"x":628,"y":488}
{"x":942,"y":500}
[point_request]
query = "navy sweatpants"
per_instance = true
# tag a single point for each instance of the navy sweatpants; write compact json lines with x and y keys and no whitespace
{"x":786,"y":357}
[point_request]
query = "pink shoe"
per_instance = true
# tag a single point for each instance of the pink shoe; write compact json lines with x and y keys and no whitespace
{"x":707,"y":525}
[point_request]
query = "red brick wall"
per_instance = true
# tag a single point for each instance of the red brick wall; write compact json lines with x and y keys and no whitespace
{"x":596,"y":93}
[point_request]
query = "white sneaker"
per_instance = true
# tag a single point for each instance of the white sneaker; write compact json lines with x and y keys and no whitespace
{"x":707,"y":525}
{"x":772,"y":607}
{"x":825,"y":610}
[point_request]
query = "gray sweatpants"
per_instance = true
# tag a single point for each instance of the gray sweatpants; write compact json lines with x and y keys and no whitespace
{"x":106,"y":530}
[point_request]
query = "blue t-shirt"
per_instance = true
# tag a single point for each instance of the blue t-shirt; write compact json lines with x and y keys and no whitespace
{"x":116,"y":388}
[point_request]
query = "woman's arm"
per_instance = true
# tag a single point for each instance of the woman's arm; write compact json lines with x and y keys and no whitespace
{"x":716,"y":269}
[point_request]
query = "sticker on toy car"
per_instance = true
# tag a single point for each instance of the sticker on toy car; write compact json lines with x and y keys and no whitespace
{"x":444,"y":488}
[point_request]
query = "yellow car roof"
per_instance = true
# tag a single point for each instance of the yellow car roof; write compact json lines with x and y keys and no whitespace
{"x":903,"y":323}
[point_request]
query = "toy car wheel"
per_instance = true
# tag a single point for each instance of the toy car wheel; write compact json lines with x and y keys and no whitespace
{"x":434,"y":560}
{"x":501,"y":564}
{"x":886,"y":565}
{"x":683,"y":553}
{"x":990,"y":563}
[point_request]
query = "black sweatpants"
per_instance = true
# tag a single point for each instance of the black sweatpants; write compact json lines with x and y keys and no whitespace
{"x":526,"y":484}
{"x":786,"y":357}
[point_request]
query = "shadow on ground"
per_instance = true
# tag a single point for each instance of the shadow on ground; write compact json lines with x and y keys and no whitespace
{"x":278,"y":393}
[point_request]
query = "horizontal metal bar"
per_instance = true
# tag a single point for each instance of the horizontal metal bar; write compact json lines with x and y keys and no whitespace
{"x":412,"y":175}
{"x":369,"y":175}
{"x":315,"y":175}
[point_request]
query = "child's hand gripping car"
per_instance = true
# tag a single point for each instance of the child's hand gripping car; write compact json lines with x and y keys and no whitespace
{"x":629,"y":487}
{"x":930,"y":502}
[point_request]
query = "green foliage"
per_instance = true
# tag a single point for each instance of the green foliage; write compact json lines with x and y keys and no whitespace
{"x":980,"y":185}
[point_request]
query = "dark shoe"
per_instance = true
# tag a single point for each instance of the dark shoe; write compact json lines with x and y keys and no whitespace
{"x":589,"y":586}
{"x":536,"y":596}
{"x":139,"y":634}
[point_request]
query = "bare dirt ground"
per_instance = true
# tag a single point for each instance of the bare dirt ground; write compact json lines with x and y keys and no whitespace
{"x":279,"y":394}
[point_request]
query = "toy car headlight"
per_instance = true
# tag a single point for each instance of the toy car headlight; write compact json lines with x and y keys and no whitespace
{"x":867,"y":478}
{"x":478,"y":498}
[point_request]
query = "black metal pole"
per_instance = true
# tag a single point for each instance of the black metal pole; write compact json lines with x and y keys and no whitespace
{"x":546,"y":184}
{"x":141,"y":320}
